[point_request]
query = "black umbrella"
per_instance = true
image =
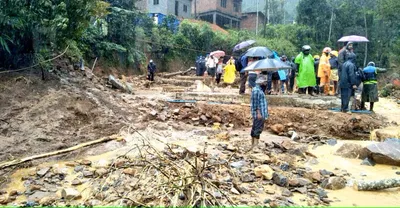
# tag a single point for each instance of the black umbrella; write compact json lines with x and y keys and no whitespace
{"x":259,"y":52}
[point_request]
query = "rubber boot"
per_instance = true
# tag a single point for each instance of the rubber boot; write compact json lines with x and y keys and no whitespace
{"x":371,"y":106}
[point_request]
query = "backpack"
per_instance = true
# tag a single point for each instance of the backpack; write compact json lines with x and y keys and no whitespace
{"x":360,"y":76}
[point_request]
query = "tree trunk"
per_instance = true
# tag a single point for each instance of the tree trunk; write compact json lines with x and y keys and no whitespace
{"x":376,"y":185}
{"x":330,"y":27}
{"x":366,"y":35}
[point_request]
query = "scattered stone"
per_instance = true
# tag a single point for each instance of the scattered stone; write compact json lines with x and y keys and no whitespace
{"x":288,"y":144}
{"x":35,"y":187}
{"x":76,"y":182}
{"x":363,"y":174}
{"x":326,"y":173}
{"x":43,"y":171}
{"x":153,"y":113}
{"x":94,"y":202}
{"x":279,"y":179}
{"x":101,"y":171}
{"x":391,"y":132}
{"x":78,"y":168}
{"x":3,"y":199}
{"x":286,"y":192}
{"x":129,"y":171}
{"x":196,"y":119}
{"x":203,"y":118}
{"x":47,"y":200}
{"x":247,"y":178}
{"x":331,"y":142}
{"x":349,"y":150}
{"x":313,"y":161}
{"x":394,"y":168}
{"x":71,"y":164}
{"x":270,"y":191}
{"x":176,"y":111}
{"x":321,"y":193}
{"x":313,"y":176}
{"x":368,"y":162}
{"x":70,"y":194}
{"x":334,"y":183}
{"x":277,"y":128}
{"x":397,"y":172}
{"x":234,"y":191}
{"x":217,"y":195}
{"x":284,"y":166}
{"x":86,"y":162}
{"x":216,"y":118}
{"x":13,"y":193}
{"x":295,"y":182}
{"x":264,"y":171}
{"x":238,"y":164}
{"x":231,"y":148}
{"x":267,"y":201}
{"x":387,"y":152}
{"x":263,"y":158}
{"x":302,"y":190}
{"x":88,"y":173}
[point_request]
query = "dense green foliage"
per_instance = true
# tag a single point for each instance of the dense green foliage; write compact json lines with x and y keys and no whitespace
{"x":119,"y":35}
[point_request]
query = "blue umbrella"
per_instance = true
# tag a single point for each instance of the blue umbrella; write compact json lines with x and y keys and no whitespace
{"x":243,"y":44}
{"x":267,"y":65}
{"x":259,"y":52}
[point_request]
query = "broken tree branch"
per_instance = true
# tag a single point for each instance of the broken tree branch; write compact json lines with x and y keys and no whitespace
{"x":179,"y":73}
{"x":35,"y":157}
{"x":376,"y":185}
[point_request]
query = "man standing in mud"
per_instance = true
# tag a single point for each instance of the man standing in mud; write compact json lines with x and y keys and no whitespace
{"x":259,"y":110}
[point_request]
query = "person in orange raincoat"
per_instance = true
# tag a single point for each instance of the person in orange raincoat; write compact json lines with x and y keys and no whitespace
{"x":324,"y":70}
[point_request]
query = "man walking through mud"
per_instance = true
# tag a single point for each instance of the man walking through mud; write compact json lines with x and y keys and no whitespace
{"x":259,"y":110}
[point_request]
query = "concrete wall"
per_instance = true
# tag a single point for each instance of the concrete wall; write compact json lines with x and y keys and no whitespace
{"x":212,"y":5}
{"x":162,"y":7}
{"x":249,"y":20}
{"x":181,"y":13}
{"x":141,"y":5}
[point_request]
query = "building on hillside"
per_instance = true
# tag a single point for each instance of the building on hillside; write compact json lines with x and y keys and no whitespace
{"x":249,"y":14}
{"x":179,"y":8}
{"x":224,"y":13}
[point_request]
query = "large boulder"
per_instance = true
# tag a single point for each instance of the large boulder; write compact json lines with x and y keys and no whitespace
{"x":387,"y":152}
{"x":349,"y":150}
{"x":386,"y":133}
{"x":334,"y":183}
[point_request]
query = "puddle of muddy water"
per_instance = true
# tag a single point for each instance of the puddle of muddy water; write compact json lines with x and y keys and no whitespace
{"x":348,"y":196}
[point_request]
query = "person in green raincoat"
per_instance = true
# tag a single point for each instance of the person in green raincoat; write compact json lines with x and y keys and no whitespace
{"x":305,"y":79}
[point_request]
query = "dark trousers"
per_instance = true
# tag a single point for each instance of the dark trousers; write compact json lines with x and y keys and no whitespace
{"x":291,"y":83}
{"x":151,"y":76}
{"x":345,"y":97}
{"x":305,"y":89}
{"x":243,"y":80}
{"x":317,"y":89}
{"x":218,"y":78}
{"x":257,"y":128}
{"x":269,"y":82}
{"x":371,"y":106}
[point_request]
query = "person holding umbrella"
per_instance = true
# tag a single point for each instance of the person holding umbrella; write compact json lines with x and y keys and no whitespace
{"x":306,"y":74}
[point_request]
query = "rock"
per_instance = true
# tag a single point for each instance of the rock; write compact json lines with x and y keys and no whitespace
{"x":88,"y":173}
{"x":70,"y":194}
{"x":101,"y":171}
{"x":86,"y":162}
{"x":238,"y":164}
{"x":35,"y":187}
{"x":78,"y":168}
{"x":313,"y":161}
{"x":216,"y":118}
{"x":321,"y":193}
{"x":391,"y":132}
{"x":3,"y":199}
{"x":295,"y":182}
{"x":368,"y":162}
{"x":325,"y":172}
{"x":264,"y":171}
{"x":289,"y":145}
{"x":234,"y":191}
{"x":270,"y":191}
{"x":13,"y":193}
{"x":129,"y":171}
{"x":286,"y":192}
{"x":387,"y":152}
{"x":231,"y":148}
{"x":176,"y":111}
{"x":203,"y":118}
{"x":277,"y":128}
{"x":76,"y":182}
{"x":93,"y":202}
{"x":334,"y":183}
{"x":247,"y":178}
{"x":313,"y":176}
{"x":195,"y":119}
{"x":363,"y":174}
{"x":284,"y":166}
{"x":279,"y":179}
{"x":304,"y":128}
{"x":302,"y":190}
{"x":349,"y":150}
{"x":217,"y":195}
{"x":397,"y":172}
{"x":331,"y":142}
{"x":263,"y":158}
{"x":43,"y":171}
{"x":48,"y":200}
